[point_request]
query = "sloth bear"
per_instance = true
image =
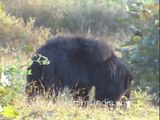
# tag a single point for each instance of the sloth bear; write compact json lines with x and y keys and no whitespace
{"x":78,"y":63}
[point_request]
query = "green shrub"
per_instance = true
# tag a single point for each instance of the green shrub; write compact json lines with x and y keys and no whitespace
{"x":142,"y":50}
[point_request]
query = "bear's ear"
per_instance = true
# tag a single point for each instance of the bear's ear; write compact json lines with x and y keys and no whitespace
{"x":128,"y":80}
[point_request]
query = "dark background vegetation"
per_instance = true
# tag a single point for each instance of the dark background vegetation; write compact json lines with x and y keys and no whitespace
{"x":132,"y":26}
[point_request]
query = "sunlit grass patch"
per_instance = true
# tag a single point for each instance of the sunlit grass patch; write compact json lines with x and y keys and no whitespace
{"x":43,"y":108}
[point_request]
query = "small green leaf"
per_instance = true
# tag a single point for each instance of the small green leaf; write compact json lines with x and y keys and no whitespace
{"x":136,"y":39}
{"x":29,"y":72}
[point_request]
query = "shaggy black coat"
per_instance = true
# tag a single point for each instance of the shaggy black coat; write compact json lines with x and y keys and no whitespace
{"x":78,"y":63}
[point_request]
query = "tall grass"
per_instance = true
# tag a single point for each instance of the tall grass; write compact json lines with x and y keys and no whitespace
{"x":99,"y":18}
{"x":15,"y":35}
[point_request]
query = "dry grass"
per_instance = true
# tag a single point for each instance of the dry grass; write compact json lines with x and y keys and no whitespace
{"x":63,"y":109}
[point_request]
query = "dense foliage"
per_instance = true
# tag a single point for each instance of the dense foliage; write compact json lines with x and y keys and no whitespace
{"x":142,"y":50}
{"x":68,"y":16}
